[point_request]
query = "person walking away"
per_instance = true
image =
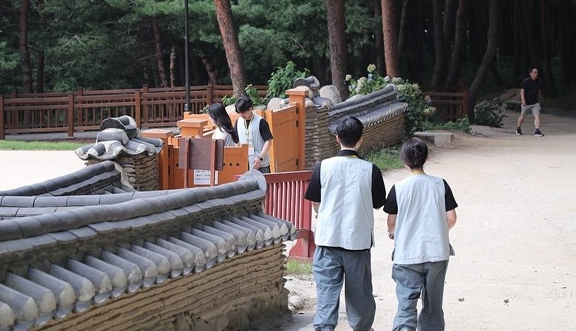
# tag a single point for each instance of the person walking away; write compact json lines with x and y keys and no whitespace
{"x":530,"y":94}
{"x":421,"y":211}
{"x":223,"y":123}
{"x":344,"y":190}
{"x":254,"y":131}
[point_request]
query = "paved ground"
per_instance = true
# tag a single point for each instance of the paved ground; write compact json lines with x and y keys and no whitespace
{"x":515,"y":240}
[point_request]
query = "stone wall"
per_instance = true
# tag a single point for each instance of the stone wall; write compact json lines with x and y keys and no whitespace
{"x":380,"y":112}
{"x":190,"y":259}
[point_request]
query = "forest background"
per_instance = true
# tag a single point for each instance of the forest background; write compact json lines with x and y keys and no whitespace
{"x":484,"y":45}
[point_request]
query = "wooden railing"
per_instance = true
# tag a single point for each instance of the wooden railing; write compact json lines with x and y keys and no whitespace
{"x":450,"y":102}
{"x":285,"y":200}
{"x":150,"y":107}
{"x":85,"y":110}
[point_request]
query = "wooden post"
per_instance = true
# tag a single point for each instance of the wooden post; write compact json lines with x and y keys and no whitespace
{"x":465,"y":100}
{"x":163,"y":157}
{"x":2,"y":132}
{"x":192,"y":127}
{"x":71,"y":115}
{"x":144,"y":117}
{"x":138,"y":108}
{"x":184,"y":158}
{"x":297,"y":96}
{"x":210,"y":93}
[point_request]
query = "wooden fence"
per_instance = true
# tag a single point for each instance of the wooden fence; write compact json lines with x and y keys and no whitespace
{"x":85,"y":110}
{"x":451,"y":103}
{"x":150,"y":107}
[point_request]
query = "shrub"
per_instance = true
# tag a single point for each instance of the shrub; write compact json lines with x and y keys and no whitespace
{"x":365,"y":85}
{"x":489,"y":113}
{"x":251,"y":92}
{"x":419,"y":109}
{"x":282,"y":79}
{"x":461,"y":124}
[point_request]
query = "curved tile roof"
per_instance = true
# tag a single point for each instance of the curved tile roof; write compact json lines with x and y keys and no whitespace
{"x":67,"y":254}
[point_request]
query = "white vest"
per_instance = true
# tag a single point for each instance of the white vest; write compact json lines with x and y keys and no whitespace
{"x":346,"y":216}
{"x":251,"y":135}
{"x":421,"y":233}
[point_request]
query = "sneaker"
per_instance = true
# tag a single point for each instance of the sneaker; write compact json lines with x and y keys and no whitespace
{"x":518,"y":131}
{"x":538,"y":133}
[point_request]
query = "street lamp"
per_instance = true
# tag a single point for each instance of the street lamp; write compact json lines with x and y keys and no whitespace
{"x":186,"y":57}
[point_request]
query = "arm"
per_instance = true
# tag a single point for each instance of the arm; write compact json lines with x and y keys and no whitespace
{"x":378,"y":188}
{"x":391,"y":221}
{"x":316,"y":206}
{"x":257,"y":162}
{"x":451,"y":216}
{"x":522,"y":99}
{"x":265,"y":148}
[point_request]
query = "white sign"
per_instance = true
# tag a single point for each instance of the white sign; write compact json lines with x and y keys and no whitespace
{"x":202,"y":177}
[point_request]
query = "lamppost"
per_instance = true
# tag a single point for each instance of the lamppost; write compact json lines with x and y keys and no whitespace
{"x":186,"y":57}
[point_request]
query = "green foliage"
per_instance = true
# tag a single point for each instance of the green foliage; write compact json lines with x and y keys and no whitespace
{"x":19,"y":145}
{"x":365,"y":85}
{"x":282,"y":80}
{"x":297,"y":267}
{"x":419,"y":109}
{"x":461,"y":124}
{"x":387,"y":158}
{"x":489,"y":113}
{"x":251,"y":92}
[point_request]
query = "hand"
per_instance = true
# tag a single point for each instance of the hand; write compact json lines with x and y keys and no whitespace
{"x":257,"y":163}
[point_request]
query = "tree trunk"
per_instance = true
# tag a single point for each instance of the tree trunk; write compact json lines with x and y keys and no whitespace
{"x":440,"y":61}
{"x":337,"y":43}
{"x":234,"y":55}
{"x":549,"y":84}
{"x":159,"y":55}
{"x":24,"y":49}
{"x":403,"y":56}
{"x":390,"y":33}
{"x":459,"y":49}
{"x":489,"y":56}
{"x":531,"y":34}
{"x":565,"y":43}
{"x":450,"y":11}
{"x":520,"y":62}
{"x":210,"y":71}
{"x":172,"y":66}
{"x":41,"y":56}
{"x":40,"y":73}
{"x":379,"y":43}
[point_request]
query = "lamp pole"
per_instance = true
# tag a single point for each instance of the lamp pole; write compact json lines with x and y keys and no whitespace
{"x":186,"y":57}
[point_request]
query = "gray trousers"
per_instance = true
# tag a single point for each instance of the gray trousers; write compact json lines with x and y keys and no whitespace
{"x":333,"y":268}
{"x":413,"y":281}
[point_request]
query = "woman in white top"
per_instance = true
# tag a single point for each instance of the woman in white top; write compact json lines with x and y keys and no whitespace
{"x":224,"y":129}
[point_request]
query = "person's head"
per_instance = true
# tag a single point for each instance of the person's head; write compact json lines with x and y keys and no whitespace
{"x":349,"y":132}
{"x":244,"y":107}
{"x":414,"y":153}
{"x":218,"y":114}
{"x":222,"y":120}
{"x":533,"y":72}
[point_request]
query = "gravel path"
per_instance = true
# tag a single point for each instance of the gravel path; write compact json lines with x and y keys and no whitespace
{"x":515,"y":239}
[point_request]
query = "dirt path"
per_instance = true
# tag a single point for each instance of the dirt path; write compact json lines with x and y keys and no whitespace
{"x":515,"y":240}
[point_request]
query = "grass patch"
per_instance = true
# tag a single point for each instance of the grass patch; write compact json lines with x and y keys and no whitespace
{"x":297,"y":267}
{"x":19,"y":145}
{"x":387,"y":158}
